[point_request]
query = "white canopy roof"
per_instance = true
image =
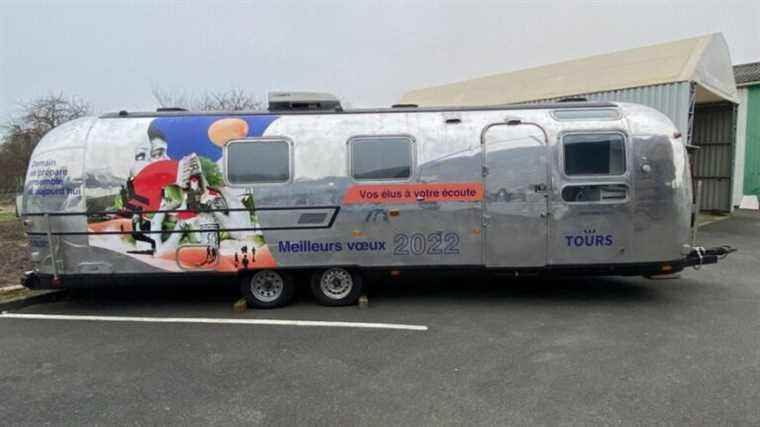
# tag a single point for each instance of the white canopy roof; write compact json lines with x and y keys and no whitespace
{"x":704,"y":60}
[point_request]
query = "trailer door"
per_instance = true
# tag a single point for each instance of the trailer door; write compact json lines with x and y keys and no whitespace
{"x":591,"y":221}
{"x":515,"y":204}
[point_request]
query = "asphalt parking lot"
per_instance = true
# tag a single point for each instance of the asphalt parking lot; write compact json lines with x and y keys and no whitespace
{"x":496,"y":351}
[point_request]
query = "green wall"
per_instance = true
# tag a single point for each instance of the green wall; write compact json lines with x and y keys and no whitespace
{"x":752,"y":157}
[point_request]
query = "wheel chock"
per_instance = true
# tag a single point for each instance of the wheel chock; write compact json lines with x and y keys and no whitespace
{"x":363,"y":301}
{"x":241,"y":306}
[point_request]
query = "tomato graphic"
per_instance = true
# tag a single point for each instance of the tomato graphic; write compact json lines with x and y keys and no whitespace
{"x":150,"y":181}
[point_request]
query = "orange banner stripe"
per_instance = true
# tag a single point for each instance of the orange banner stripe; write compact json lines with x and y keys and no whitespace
{"x":413,"y":193}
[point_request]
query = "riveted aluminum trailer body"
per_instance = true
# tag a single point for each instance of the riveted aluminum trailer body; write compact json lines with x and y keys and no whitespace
{"x":488,"y":188}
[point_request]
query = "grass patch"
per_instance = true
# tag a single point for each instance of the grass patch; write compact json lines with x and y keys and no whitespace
{"x":7,"y":296}
{"x":7,"y":216}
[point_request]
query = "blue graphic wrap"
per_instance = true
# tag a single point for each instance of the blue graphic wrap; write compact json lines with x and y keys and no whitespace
{"x":187,"y":135}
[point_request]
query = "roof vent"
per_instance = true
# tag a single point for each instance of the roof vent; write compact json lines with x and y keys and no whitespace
{"x":303,"y":101}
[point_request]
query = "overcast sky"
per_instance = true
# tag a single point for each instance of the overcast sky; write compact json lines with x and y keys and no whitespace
{"x":113,"y":53}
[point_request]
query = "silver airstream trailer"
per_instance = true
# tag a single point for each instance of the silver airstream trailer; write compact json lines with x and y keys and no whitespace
{"x":568,"y":188}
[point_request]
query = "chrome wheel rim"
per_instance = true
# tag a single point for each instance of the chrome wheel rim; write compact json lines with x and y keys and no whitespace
{"x":267,"y":285}
{"x":336,"y":283}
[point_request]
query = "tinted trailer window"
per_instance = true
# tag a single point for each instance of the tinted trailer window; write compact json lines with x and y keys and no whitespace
{"x":258,"y":161}
{"x":594,"y":154}
{"x":386,"y":157}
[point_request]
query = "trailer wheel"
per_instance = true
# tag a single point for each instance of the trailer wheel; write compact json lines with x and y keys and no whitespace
{"x":268,"y":288}
{"x":336,"y":286}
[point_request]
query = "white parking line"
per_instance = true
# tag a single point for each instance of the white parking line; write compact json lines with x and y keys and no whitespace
{"x":275,"y":322}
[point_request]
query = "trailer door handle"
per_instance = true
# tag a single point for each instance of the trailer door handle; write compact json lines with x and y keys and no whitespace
{"x":540,"y":188}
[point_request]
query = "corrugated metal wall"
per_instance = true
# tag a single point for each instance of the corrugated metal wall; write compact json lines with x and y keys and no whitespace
{"x":713,"y":163}
{"x":673,"y":99}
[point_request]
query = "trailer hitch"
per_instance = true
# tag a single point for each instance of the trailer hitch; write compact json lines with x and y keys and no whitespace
{"x":700,"y":256}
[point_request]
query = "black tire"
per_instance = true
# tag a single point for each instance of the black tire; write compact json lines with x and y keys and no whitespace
{"x":268,"y":288}
{"x":337,"y":295}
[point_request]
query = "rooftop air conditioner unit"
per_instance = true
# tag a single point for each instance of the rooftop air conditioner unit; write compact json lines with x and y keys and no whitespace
{"x":303,"y":101}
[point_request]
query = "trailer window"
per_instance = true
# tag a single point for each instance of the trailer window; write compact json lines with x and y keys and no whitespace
{"x":381,"y":157}
{"x":594,"y":154}
{"x":586,"y":114}
{"x":595,"y":193}
{"x":258,"y":161}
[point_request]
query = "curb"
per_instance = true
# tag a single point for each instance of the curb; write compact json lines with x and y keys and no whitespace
{"x":12,"y":288}
{"x":711,"y":219}
{"x":35,"y":297}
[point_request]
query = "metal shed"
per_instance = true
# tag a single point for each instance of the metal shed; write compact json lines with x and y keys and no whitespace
{"x":747,"y":176}
{"x":691,"y":81}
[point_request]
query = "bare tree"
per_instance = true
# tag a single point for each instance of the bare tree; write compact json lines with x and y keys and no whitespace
{"x":47,"y":112}
{"x":23,"y":131}
{"x":231,"y":100}
{"x":172,"y":99}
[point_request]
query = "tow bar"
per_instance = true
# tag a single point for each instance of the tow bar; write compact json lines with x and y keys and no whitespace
{"x":700,"y":256}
